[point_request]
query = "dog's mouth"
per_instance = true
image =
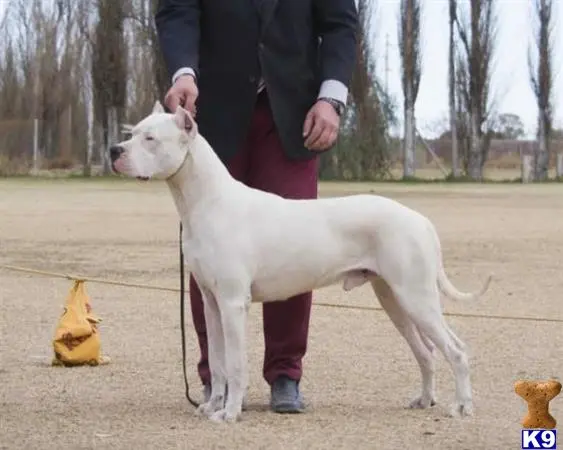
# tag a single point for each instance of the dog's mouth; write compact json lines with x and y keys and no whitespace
{"x":143,"y":178}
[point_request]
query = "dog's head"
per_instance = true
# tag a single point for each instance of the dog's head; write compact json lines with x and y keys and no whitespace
{"x":158,"y":146}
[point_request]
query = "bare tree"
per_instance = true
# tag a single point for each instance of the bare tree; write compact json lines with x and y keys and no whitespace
{"x":367,"y":153}
{"x":541,"y":78}
{"x":79,"y":68}
{"x":41,"y":52}
{"x":452,"y":88}
{"x":58,"y":70}
{"x":162,"y":77}
{"x":84,"y":18}
{"x":3,"y":19}
{"x":109,"y":73}
{"x":411,"y":64}
{"x":479,"y":40}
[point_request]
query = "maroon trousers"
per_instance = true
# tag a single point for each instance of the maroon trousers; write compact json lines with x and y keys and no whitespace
{"x":262,"y":164}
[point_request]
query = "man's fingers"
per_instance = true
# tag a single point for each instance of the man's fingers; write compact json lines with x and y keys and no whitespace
{"x":323,"y":140}
{"x":316,"y":131}
{"x":333,"y":138}
{"x":172,"y":102}
{"x":190,"y":105}
{"x":309,"y":122}
{"x":318,"y":143}
{"x":327,"y":137}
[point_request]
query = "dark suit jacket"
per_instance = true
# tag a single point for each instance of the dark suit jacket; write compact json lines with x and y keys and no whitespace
{"x":293,"y":44}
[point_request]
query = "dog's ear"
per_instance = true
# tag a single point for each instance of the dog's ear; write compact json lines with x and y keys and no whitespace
{"x":157,"y":108}
{"x":184,"y":119}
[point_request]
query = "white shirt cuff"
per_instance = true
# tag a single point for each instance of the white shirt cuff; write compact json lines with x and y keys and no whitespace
{"x":334,"y":89}
{"x":182,"y":71}
{"x":329,"y":88}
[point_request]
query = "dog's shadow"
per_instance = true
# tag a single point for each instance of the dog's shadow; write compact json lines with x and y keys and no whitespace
{"x":256,"y":406}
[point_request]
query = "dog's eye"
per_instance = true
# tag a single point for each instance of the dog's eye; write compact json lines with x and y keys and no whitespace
{"x":149,"y":138}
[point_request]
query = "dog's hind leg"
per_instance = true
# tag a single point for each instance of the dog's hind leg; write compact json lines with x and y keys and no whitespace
{"x":419,"y":344}
{"x":422,"y":306}
{"x":216,"y":355}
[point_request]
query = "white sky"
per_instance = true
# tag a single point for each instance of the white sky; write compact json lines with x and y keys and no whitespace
{"x":511,"y":75}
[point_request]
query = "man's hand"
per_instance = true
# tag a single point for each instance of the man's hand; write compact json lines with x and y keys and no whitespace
{"x":183,"y":93}
{"x":321,"y":126}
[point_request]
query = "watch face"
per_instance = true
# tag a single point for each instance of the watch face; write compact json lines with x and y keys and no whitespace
{"x":337,"y":107}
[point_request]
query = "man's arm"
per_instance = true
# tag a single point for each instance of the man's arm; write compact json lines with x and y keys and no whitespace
{"x":337,"y":21}
{"x":177,"y":25}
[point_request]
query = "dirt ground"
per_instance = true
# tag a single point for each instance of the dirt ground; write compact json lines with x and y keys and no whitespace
{"x":359,"y":373}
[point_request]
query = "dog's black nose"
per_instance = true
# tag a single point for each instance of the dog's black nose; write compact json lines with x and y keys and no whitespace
{"x":115,"y":152}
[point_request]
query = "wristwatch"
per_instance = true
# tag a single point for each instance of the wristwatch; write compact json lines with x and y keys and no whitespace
{"x":336,"y":104}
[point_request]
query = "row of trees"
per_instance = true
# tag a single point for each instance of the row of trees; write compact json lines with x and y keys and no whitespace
{"x":82,"y":67}
{"x":472,"y":53}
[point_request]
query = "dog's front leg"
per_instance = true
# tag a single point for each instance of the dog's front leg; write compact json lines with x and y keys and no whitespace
{"x":234,"y":311}
{"x":216,"y":355}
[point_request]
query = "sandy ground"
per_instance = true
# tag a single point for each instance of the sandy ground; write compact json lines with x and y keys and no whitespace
{"x":359,"y":373}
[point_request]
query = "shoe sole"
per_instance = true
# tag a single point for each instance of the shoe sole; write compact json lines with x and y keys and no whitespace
{"x":288,"y":409}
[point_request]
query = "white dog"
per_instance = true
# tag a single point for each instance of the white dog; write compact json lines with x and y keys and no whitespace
{"x":243,"y":245}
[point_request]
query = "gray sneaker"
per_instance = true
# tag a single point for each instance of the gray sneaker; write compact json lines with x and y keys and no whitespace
{"x":285,"y":396}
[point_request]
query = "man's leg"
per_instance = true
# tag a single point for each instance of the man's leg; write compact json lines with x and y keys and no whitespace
{"x":286,"y":324}
{"x":238,"y":167}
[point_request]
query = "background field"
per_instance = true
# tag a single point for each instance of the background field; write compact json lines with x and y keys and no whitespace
{"x":359,"y":373}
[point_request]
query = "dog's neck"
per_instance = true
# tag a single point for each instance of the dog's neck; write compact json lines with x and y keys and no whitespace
{"x":201,"y":179}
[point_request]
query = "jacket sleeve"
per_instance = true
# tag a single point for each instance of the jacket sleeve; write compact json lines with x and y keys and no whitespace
{"x":337,"y":22}
{"x":177,"y":26}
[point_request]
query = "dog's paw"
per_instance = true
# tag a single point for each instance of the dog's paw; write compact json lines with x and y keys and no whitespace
{"x":461,"y":409}
{"x":225,"y":415}
{"x":422,"y":402}
{"x":210,"y":407}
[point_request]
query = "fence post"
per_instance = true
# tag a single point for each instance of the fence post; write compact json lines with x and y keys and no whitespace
{"x":35,"y":146}
{"x":527,"y":169}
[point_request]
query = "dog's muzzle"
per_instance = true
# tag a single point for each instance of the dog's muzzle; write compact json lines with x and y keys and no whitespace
{"x":115,"y":152}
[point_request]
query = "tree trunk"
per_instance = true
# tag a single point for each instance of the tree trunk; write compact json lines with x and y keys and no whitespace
{"x":475,"y":151}
{"x":112,"y":136}
{"x":65,"y":134}
{"x":409,"y":140}
{"x":559,"y":166}
{"x":89,"y":137}
{"x":100,"y":140}
{"x":542,"y":155}
{"x":453,"y":113}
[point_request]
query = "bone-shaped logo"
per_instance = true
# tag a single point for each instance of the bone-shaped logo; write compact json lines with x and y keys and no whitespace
{"x":538,"y":394}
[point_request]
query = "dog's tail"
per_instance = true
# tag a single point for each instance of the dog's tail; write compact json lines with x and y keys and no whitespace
{"x":447,"y":287}
{"x":452,"y":292}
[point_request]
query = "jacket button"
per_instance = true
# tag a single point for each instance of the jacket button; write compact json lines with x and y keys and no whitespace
{"x":252,"y":79}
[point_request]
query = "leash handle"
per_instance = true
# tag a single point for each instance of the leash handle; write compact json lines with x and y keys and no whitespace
{"x":182,"y":320}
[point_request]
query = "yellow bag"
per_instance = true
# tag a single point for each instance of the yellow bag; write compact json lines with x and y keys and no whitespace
{"x":77,"y":340}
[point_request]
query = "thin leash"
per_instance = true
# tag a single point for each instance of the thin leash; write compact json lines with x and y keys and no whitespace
{"x":315,"y":303}
{"x":182,"y":321}
{"x":182,"y":291}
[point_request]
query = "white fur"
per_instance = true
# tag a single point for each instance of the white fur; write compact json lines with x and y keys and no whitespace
{"x":243,"y":245}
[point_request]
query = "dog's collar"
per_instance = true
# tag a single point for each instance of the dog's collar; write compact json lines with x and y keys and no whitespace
{"x":179,"y":167}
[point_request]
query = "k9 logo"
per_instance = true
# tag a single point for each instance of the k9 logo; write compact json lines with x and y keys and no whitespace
{"x":539,"y":439}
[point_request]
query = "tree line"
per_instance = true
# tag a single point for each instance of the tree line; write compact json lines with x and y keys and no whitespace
{"x":473,"y":32}
{"x":83,"y":68}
